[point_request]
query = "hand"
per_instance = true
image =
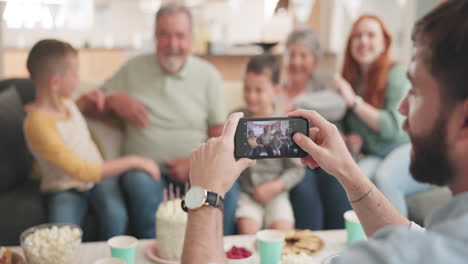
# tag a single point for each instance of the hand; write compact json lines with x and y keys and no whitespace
{"x":263,"y":193}
{"x":179,"y":170}
{"x":93,"y":103}
{"x":354,"y":143}
{"x":345,"y":89}
{"x":325,"y":145}
{"x":129,"y":109}
{"x":149,"y":166}
{"x":213,"y":165}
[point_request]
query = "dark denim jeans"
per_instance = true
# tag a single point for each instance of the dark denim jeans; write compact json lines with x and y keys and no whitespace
{"x":105,"y":199}
{"x":319,"y":201}
{"x":144,"y":195}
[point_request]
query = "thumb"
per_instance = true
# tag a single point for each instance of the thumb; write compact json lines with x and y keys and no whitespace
{"x":101,"y":100}
{"x":169,"y":162}
{"x":307,"y":144}
{"x":245,"y":163}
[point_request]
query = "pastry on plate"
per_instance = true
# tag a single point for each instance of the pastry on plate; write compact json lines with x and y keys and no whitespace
{"x":302,"y":242}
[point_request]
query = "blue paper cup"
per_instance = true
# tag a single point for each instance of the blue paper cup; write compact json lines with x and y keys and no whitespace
{"x":354,"y":231}
{"x":124,"y":248}
{"x":270,"y":246}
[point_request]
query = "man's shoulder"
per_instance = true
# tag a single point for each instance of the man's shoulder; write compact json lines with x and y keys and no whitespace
{"x":398,"y":244}
{"x":198,"y":64}
{"x":138,"y":62}
{"x":143,"y":58}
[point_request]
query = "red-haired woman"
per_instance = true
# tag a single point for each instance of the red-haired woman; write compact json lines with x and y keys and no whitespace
{"x":373,"y":85}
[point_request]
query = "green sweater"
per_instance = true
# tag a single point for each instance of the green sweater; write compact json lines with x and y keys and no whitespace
{"x":391,"y":133}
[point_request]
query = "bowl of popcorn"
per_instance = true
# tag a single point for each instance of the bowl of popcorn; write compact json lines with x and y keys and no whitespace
{"x":51,"y":243}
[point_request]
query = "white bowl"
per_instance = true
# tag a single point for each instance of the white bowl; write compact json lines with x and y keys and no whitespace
{"x":62,"y":250}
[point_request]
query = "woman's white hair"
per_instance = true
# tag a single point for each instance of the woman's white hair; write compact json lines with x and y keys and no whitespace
{"x":307,"y":38}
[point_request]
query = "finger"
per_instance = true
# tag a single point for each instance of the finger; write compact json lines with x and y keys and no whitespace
{"x":311,"y":162}
{"x":246,"y":163}
{"x":141,"y":121}
{"x":133,"y":119}
{"x":313,"y":132}
{"x":142,"y":115}
{"x":230,"y":127}
{"x":314,"y":117}
{"x":170,"y":162}
{"x":101,"y":101}
{"x":156,"y":175}
{"x":307,"y":144}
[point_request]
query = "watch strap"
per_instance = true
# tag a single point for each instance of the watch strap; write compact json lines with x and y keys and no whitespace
{"x":212,"y":199}
{"x":215,"y":199}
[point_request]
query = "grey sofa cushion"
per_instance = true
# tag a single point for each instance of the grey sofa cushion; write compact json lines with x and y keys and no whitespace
{"x":20,"y":209}
{"x":15,"y":158}
{"x":423,"y":204}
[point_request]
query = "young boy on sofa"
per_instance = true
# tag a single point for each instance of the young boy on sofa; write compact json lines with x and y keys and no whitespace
{"x":74,"y":174}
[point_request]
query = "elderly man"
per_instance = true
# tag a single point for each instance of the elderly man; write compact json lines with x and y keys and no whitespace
{"x":171,"y":102}
{"x":437,"y":122}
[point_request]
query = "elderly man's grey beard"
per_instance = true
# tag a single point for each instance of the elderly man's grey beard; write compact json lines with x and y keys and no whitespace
{"x":172,"y":65}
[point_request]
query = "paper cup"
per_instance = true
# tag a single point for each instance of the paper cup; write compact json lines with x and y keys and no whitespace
{"x":270,"y":246}
{"x":109,"y":261}
{"x":124,"y":248}
{"x":353,"y":227}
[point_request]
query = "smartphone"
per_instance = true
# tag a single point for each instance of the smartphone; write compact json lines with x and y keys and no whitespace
{"x":266,"y":138}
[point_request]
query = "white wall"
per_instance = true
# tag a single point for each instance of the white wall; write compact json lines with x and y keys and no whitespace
{"x":398,"y":19}
{"x":126,"y":24}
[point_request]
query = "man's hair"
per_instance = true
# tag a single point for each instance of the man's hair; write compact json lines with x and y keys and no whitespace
{"x":443,"y":35}
{"x":48,"y":57}
{"x":172,"y":8}
{"x":264,"y":64}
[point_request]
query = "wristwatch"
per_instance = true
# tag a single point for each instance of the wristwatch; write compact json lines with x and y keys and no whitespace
{"x":198,"y":196}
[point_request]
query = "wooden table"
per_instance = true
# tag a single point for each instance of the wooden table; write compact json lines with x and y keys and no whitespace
{"x":335,"y":241}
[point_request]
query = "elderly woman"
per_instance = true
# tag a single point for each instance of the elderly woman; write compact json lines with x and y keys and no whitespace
{"x":314,"y":208}
{"x":305,"y":88}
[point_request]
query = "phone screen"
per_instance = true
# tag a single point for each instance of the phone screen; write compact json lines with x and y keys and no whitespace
{"x":263,"y":138}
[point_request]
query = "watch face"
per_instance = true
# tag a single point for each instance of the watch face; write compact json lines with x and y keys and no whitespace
{"x":195,"y":197}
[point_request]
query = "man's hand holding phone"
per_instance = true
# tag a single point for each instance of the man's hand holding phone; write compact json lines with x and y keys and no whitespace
{"x":325,"y":145}
{"x":213,"y":166}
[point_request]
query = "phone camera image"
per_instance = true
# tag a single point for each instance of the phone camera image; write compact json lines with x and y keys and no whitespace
{"x":271,"y":138}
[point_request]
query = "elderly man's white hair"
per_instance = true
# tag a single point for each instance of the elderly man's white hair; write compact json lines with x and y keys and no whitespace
{"x":172,"y":8}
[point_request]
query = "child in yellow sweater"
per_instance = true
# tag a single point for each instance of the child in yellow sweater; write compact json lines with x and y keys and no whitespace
{"x":74,"y":175}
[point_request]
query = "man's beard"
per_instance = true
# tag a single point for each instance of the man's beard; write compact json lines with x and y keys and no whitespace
{"x":172,"y":65}
{"x":430,"y":161}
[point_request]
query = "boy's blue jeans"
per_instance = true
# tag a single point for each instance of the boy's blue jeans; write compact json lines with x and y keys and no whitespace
{"x":105,"y":198}
{"x":144,"y":195}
